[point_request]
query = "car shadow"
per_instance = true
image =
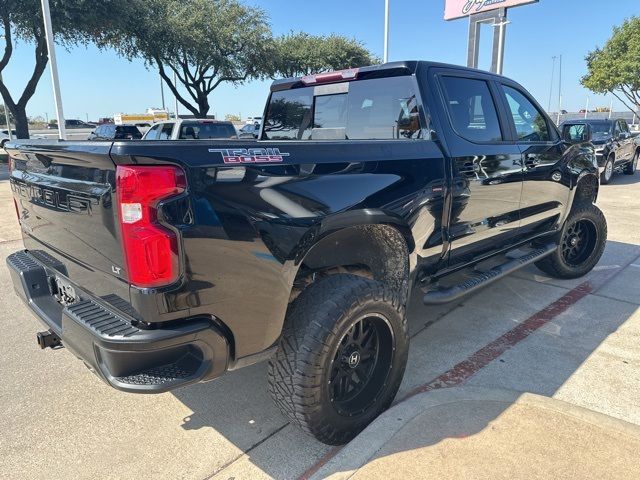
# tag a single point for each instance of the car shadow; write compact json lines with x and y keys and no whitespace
{"x":238,"y":406}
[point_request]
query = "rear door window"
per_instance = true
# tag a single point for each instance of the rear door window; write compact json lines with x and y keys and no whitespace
{"x":376,"y":109}
{"x":471,"y":109}
{"x":152,"y":134}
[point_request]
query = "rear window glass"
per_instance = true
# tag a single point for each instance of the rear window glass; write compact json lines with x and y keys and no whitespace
{"x":384,"y":109}
{"x":203,"y":131}
{"x":471,"y":108}
{"x":128,"y":129}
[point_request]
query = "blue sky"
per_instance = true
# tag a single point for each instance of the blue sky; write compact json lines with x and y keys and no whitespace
{"x":98,"y":83}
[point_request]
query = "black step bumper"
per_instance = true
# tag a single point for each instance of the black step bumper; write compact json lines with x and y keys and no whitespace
{"x":126,"y":357}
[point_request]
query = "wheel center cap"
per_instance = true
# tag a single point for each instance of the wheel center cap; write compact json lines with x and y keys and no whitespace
{"x":573,"y":241}
{"x":354,"y":359}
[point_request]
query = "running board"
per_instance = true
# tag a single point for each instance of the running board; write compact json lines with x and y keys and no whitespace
{"x":438,"y":297}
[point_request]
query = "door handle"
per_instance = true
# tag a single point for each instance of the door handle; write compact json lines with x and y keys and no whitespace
{"x":531,"y":161}
{"x":469,"y":168}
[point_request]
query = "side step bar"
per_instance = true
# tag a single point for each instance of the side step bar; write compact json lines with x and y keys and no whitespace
{"x":438,"y":297}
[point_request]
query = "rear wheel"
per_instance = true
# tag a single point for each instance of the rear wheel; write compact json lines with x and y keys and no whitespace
{"x":631,"y":167}
{"x":582,"y":242}
{"x":341,"y":357}
{"x":607,"y":174}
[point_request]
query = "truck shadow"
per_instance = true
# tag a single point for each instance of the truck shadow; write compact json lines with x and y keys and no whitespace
{"x":238,"y":406}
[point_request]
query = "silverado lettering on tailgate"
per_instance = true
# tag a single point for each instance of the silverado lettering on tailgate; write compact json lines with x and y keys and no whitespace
{"x":250,"y":155}
{"x":53,"y":199}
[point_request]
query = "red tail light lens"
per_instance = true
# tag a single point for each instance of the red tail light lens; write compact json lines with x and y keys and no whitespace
{"x":150,"y":249}
{"x":337,"y":76}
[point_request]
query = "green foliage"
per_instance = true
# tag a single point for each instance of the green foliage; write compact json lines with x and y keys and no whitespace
{"x":302,"y":54}
{"x":230,"y":117}
{"x":74,"y":21}
{"x":203,"y":42}
{"x":615,"y":68}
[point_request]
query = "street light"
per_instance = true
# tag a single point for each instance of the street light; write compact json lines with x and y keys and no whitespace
{"x":386,"y":31}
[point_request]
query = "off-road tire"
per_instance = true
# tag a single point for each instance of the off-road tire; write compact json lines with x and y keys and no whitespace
{"x":316,"y":325}
{"x":630,"y":168}
{"x":609,"y":166}
{"x":591,"y":219}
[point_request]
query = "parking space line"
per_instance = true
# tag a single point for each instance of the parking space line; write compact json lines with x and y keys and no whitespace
{"x":477,"y":361}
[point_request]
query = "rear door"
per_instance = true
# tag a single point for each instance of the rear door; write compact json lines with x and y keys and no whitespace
{"x":486,"y":166}
{"x":546,"y":187}
{"x":625,"y":141}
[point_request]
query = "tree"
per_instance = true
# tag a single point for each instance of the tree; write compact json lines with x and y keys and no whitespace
{"x":203,"y":42}
{"x":615,"y":68}
{"x":300,"y":54}
{"x":74,"y":21}
{"x":230,"y":117}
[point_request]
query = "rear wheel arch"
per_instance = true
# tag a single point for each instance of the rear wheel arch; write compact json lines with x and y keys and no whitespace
{"x":378,"y":251}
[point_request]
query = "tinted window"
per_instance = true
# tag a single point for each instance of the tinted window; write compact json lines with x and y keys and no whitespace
{"x":289,"y":115}
{"x":471,"y":108}
{"x":203,"y":130}
{"x":165,"y":131}
{"x":531,"y":125}
{"x":384,"y":108}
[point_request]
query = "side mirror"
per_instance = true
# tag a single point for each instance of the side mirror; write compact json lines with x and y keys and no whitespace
{"x":576,"y":133}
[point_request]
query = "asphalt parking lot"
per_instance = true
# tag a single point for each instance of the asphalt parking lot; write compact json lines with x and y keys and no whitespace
{"x":59,"y":421}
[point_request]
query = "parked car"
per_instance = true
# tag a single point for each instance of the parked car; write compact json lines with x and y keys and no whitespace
{"x":111,"y":131}
{"x":250,"y":131}
{"x":169,"y":263}
{"x":191,"y":129}
{"x":613,"y":142}
{"x":71,"y":124}
{"x":4,"y":136}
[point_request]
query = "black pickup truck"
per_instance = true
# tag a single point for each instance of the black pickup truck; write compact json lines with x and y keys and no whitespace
{"x":612,"y":139}
{"x":160,"y":264}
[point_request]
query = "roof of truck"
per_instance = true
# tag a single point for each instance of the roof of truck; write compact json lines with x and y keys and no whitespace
{"x":405,"y":67}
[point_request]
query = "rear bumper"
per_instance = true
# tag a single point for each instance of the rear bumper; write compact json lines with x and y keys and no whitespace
{"x":126,"y":357}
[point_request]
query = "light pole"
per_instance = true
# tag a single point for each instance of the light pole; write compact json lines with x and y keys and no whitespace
{"x":386,"y":31}
{"x":586,"y":110}
{"x":559,"y":91}
{"x":162,"y":92}
{"x":553,"y":70}
{"x":175,"y":82}
{"x":53,"y":66}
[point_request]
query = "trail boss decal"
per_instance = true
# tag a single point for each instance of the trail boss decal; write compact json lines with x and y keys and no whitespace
{"x":250,"y":155}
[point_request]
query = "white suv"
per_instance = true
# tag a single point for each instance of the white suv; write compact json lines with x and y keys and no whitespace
{"x":191,"y":129}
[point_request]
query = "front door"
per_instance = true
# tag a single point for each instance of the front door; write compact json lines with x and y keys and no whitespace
{"x":486,"y":168}
{"x":547,"y":183}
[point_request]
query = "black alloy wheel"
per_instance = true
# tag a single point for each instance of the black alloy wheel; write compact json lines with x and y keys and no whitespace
{"x":579,"y":241}
{"x":361,"y":365}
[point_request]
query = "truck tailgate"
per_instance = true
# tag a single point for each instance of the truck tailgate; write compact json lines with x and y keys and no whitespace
{"x":64,"y":193}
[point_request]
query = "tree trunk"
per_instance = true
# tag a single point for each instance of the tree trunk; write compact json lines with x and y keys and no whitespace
{"x":22,"y":123}
{"x":203,"y":106}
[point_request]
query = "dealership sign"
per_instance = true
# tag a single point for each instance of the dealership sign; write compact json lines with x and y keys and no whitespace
{"x":464,"y":8}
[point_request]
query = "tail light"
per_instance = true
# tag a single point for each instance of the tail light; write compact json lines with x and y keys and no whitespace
{"x":150,"y":249}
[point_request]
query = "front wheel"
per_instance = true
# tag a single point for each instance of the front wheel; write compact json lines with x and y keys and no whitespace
{"x":631,"y":167}
{"x":607,"y":174}
{"x":582,"y":242}
{"x":341,"y":357}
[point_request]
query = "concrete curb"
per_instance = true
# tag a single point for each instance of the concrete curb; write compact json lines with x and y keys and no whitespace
{"x":364,"y":447}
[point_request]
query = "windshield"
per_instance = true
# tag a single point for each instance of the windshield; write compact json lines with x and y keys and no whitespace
{"x":205,"y":130}
{"x":600,"y":130}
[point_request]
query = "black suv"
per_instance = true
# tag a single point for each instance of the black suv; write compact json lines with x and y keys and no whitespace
{"x":615,"y":148}
{"x":110,"y":131}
